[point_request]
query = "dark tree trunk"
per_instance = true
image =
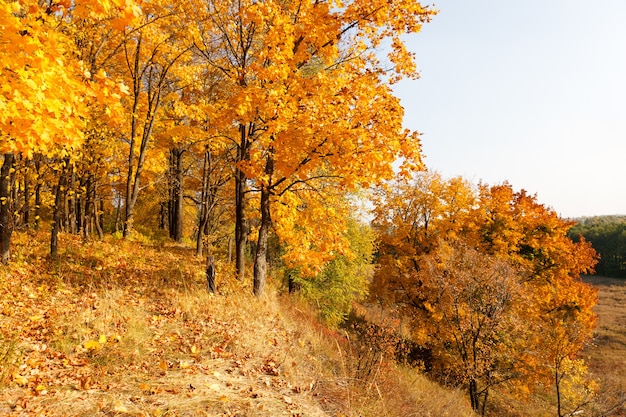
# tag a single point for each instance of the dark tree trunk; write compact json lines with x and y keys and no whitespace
{"x":15,"y":198}
{"x":27,"y":196}
{"x":291,"y":283}
{"x":89,"y":207}
{"x":240,"y":215}
{"x":210,"y":271}
{"x":98,"y":216}
{"x":37,"y":162}
{"x":6,"y":227}
{"x":204,"y":203}
{"x":473,"y":393}
{"x":176,"y":195}
{"x":58,"y":210}
{"x":71,"y":220}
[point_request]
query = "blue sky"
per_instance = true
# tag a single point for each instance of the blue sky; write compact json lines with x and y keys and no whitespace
{"x":533,"y":93}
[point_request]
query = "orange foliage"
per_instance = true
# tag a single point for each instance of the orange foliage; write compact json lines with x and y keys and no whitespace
{"x":551,"y":319}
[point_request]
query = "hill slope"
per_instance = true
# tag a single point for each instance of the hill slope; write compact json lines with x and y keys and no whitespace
{"x":121,"y":328}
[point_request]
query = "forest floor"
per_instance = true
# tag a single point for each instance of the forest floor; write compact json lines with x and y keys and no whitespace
{"x":119,"y":328}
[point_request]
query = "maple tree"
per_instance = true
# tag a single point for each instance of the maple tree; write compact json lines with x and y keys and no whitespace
{"x":308,"y":103}
{"x":46,"y":90}
{"x":551,"y":319}
{"x":471,"y":316}
{"x":151,"y":52}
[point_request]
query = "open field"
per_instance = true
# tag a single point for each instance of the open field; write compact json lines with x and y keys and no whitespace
{"x":607,"y":354}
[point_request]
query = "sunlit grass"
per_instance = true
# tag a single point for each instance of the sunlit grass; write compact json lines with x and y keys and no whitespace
{"x":126,"y":327}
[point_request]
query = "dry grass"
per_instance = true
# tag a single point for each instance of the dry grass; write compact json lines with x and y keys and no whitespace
{"x":118,"y":328}
{"x":607,"y":354}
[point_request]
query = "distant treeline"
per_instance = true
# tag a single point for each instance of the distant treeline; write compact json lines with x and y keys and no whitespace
{"x":607,"y":234}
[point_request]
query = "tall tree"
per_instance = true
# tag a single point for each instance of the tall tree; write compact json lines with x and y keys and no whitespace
{"x":452,"y":296}
{"x":309,"y":100}
{"x":43,"y":107}
{"x":151,"y":52}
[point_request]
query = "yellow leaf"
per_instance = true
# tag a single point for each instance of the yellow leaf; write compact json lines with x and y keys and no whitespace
{"x":102,"y":339}
{"x":92,"y":345}
{"x":20,"y":380}
{"x":118,"y":407}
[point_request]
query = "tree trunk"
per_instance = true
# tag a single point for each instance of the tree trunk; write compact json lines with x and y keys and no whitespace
{"x":210,"y":271}
{"x":89,"y":207}
{"x":15,"y":195}
{"x":37,"y":161}
{"x":240,"y":215}
{"x":204,"y":204}
{"x":27,"y":195}
{"x":473,"y":393}
{"x":72,"y":219}
{"x":260,"y":259}
{"x":291,"y":283}
{"x":176,"y":195}
{"x":118,"y":214}
{"x":58,"y":210}
{"x":98,"y":216}
{"x":6,"y":227}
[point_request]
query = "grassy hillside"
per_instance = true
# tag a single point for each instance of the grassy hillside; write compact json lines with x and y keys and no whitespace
{"x":127,"y":328}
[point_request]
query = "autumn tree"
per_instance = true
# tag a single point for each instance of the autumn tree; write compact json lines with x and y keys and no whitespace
{"x":551,"y":319}
{"x":309,"y":100}
{"x":472,"y":317}
{"x":44,"y":106}
{"x":342,"y":280}
{"x":150,"y":53}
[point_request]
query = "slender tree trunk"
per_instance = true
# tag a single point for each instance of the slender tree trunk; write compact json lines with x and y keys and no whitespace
{"x":6,"y":227}
{"x":27,"y":196}
{"x":163,"y":215}
{"x":260,"y":260}
{"x":557,"y":383}
{"x":72,"y":219}
{"x":98,"y":217}
{"x":15,"y":194}
{"x":89,"y":207}
{"x":291,"y":283}
{"x":58,"y":210}
{"x":176,"y":195}
{"x":204,"y":203}
{"x":473,"y":393}
{"x":118,"y":214}
{"x":37,"y":161}
{"x":210,"y":270}
{"x":240,"y":215}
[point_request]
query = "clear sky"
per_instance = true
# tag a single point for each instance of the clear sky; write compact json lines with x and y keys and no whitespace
{"x":530,"y":92}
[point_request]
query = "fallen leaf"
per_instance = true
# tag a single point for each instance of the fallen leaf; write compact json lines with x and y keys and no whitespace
{"x":118,"y":407}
